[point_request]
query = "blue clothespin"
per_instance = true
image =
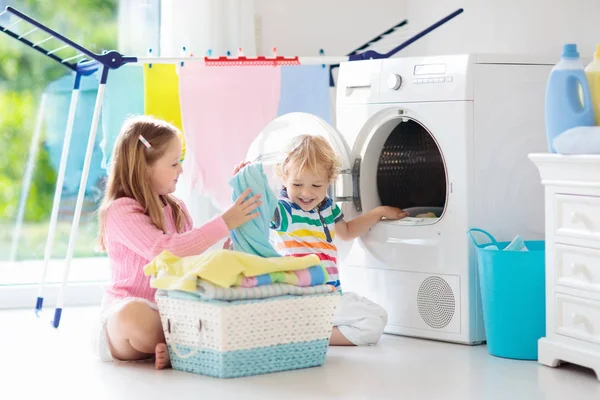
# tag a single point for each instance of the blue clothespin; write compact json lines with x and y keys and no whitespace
{"x":322,"y":53}
{"x":209,"y":52}
{"x":149,"y":54}
{"x":228,"y":53}
{"x":183,"y":54}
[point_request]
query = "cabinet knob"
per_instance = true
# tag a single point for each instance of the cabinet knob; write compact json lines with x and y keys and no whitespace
{"x":582,"y":269}
{"x":583,"y":320}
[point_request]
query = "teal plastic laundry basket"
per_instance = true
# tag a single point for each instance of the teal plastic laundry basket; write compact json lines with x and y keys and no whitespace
{"x":512,"y":287}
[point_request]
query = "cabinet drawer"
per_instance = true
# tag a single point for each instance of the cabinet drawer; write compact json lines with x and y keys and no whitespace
{"x":577,"y":216}
{"x":577,"y":267}
{"x":578,"y":318}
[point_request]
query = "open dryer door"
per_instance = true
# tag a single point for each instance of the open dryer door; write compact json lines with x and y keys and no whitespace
{"x":274,"y":141}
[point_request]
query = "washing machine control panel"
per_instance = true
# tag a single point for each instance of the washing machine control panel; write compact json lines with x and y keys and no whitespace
{"x":430,"y":78}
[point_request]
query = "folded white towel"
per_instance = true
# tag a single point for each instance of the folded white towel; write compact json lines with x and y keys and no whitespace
{"x":578,"y":140}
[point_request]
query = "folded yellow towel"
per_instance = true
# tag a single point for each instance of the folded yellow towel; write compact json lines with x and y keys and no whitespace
{"x":222,"y":268}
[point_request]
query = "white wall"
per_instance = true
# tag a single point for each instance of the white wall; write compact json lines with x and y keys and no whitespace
{"x":219,"y":25}
{"x":338,"y":26}
{"x":505,"y":26}
{"x":294,"y":27}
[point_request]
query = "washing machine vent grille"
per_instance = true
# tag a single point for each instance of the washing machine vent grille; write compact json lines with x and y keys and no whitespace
{"x":436,"y":302}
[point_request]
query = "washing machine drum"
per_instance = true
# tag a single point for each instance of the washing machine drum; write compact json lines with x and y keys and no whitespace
{"x":411,"y":171}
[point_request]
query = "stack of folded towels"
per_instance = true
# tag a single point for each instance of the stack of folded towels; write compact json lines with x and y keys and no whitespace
{"x":252,"y":270}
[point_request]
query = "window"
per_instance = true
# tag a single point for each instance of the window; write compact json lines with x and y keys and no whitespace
{"x":36,"y":91}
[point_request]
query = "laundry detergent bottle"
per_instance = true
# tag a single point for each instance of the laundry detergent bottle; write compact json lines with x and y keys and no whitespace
{"x":592,"y":71}
{"x":564,"y":106}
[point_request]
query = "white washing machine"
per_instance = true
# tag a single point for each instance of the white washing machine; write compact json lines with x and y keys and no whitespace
{"x":444,"y":136}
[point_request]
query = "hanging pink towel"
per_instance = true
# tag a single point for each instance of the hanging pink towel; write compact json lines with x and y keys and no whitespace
{"x":223,"y":110}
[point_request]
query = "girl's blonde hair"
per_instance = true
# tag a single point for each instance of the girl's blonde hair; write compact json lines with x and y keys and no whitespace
{"x":312,"y":153}
{"x":128,"y":174}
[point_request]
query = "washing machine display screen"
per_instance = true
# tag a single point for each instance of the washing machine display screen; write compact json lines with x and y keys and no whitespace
{"x":430,"y":69}
{"x":411,"y":171}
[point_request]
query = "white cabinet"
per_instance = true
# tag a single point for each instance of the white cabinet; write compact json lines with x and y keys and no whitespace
{"x":572,"y":187}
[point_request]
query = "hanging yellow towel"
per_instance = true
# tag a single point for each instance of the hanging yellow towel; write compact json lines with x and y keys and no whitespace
{"x":161,"y":95}
{"x":223,"y":268}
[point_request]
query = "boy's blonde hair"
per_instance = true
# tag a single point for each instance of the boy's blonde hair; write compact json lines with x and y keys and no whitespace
{"x":312,"y":153}
{"x":128,"y":174}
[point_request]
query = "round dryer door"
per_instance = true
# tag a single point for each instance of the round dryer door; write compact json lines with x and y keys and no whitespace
{"x":401,"y":165}
{"x":275,"y":140}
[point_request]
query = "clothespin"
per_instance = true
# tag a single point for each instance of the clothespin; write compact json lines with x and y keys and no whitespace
{"x":149,"y":53}
{"x":274,"y":51}
{"x":183,"y":53}
{"x":322,"y":53}
{"x":240,"y":52}
{"x":209,"y":52}
{"x":228,"y":53}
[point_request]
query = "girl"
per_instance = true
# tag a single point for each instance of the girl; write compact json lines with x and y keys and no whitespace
{"x":139,"y":218}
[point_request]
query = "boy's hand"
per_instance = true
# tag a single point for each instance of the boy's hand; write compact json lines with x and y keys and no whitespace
{"x":240,"y":166}
{"x":390,"y":213}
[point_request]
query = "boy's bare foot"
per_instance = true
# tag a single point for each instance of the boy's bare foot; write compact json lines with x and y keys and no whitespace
{"x":162,"y":360}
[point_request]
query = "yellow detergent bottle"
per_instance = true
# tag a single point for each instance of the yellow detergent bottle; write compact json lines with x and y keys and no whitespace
{"x":592,"y":71}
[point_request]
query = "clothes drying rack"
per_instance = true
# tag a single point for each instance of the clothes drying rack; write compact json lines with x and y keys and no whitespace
{"x":86,"y":63}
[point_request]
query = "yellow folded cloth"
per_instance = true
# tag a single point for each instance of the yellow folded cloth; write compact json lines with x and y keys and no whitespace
{"x":222,"y":268}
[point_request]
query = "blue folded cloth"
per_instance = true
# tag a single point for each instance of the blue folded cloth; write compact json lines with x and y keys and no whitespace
{"x":253,"y":236}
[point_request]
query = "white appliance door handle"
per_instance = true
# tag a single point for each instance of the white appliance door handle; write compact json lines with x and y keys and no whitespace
{"x":359,"y":86}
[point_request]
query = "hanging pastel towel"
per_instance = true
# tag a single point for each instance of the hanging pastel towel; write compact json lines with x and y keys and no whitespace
{"x":123,"y":97}
{"x":161,"y":95}
{"x":55,"y":119}
{"x":224,"y":109}
{"x":305,"y":88}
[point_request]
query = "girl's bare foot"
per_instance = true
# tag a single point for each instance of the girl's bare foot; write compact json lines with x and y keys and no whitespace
{"x":162,"y":360}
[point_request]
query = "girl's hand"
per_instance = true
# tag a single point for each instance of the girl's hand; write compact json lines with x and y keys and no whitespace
{"x":240,"y":212}
{"x":240,"y":166}
{"x":390,"y":213}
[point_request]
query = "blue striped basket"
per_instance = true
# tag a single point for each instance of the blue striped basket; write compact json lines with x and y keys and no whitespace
{"x":228,"y":339}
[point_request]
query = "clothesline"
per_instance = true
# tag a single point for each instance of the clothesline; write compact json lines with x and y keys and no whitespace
{"x":325,"y":60}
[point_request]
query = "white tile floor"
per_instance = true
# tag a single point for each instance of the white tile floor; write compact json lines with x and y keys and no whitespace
{"x":39,"y":362}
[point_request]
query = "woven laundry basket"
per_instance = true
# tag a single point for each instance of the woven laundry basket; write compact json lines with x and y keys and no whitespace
{"x":228,"y":339}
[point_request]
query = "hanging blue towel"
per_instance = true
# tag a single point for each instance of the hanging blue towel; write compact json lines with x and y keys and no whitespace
{"x":123,"y":97}
{"x":57,"y":110}
{"x":305,"y":88}
{"x":253,"y":236}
